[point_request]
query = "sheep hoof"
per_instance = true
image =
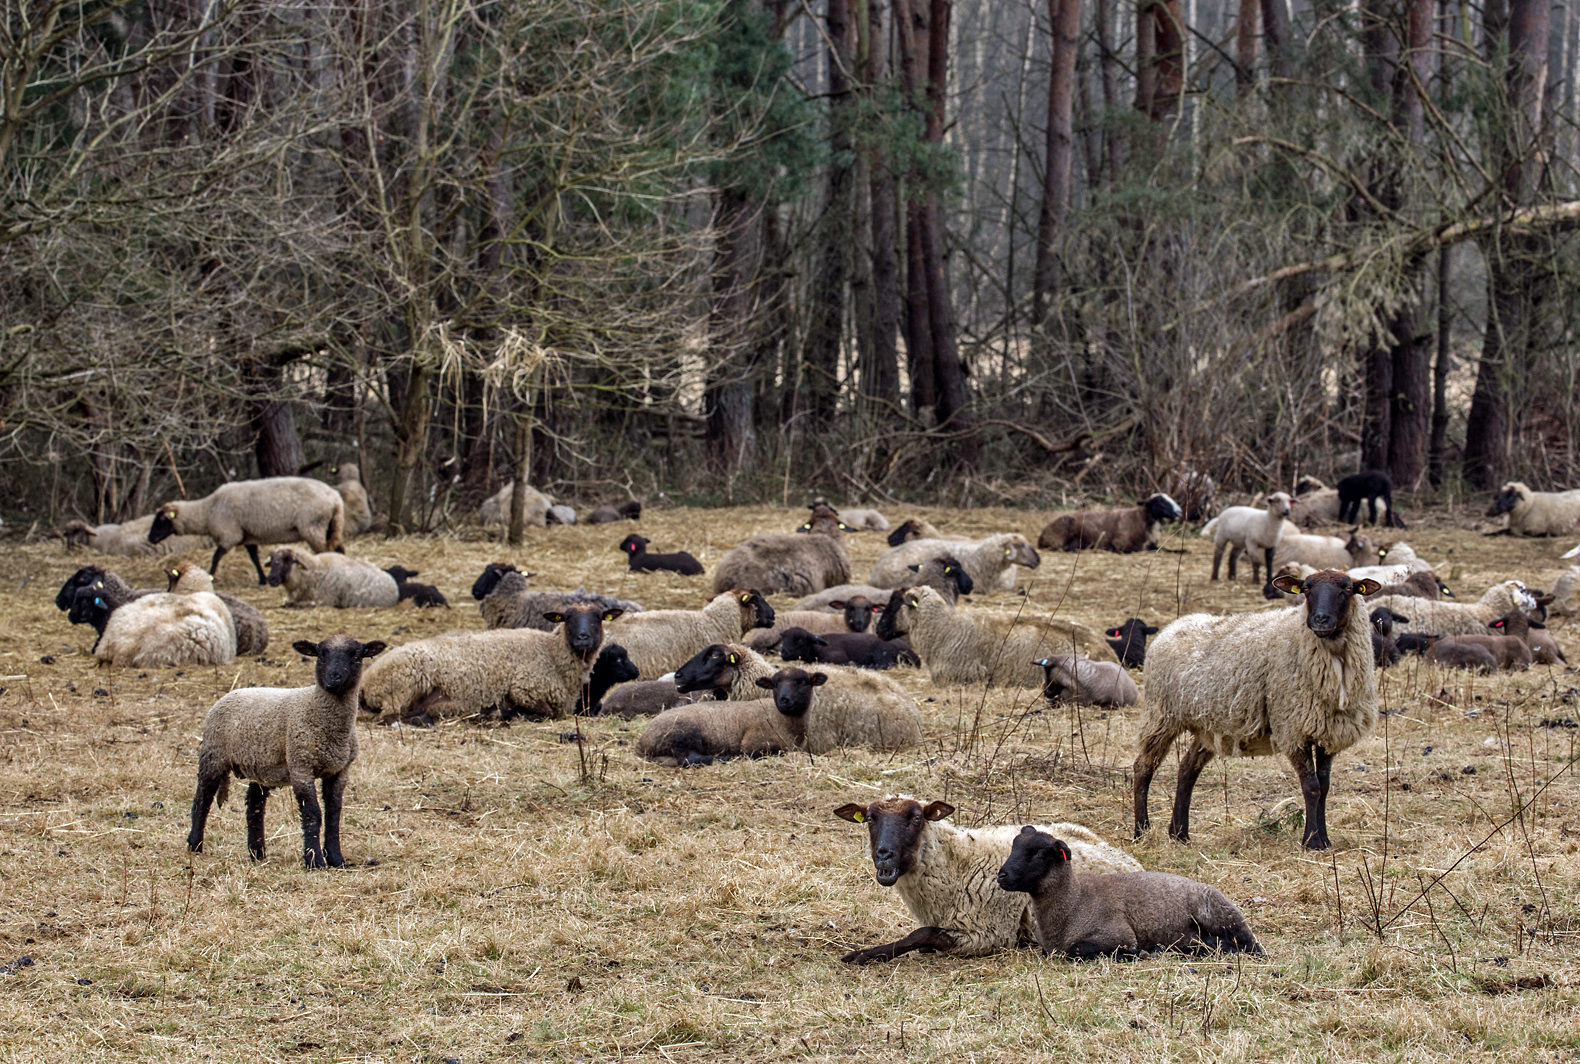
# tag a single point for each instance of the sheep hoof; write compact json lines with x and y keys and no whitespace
{"x":194,"y":845}
{"x":865,"y":956}
{"x":314,"y":859}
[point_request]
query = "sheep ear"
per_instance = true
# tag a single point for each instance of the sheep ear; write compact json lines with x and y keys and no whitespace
{"x":843,"y":527}
{"x":1044,"y":662}
{"x":1061,"y":851}
{"x":746,"y":599}
{"x":1112,"y":633}
{"x":819,"y":679}
{"x":1496,"y":624}
{"x":1289,"y":585}
{"x":856,"y":814}
{"x":1400,"y":619}
{"x":305,"y":648}
{"x":1545,"y":600}
{"x":937,"y":810}
{"x":764,"y":682}
{"x":838,"y":604}
{"x":1009,"y":552}
{"x":1367,"y":587}
{"x":1149,"y":629}
{"x":732,"y":659}
{"x":554,"y":618}
{"x":1028,"y":830}
{"x":374,"y":648}
{"x":1538,"y":624}
{"x":876,"y":609}
{"x":609,"y":615}
{"x":918,"y":568}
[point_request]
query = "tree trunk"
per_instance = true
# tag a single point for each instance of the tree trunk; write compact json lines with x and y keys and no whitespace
{"x":277,"y":447}
{"x":1248,"y":26}
{"x":1111,"y":71}
{"x":412,"y":434}
{"x":523,"y":475}
{"x":1276,"y":40}
{"x":1160,"y":58}
{"x":727,"y":401}
{"x":949,"y":374}
{"x":1064,"y":16}
{"x":1437,"y":455}
{"x":881,"y":381}
{"x":912,"y":18}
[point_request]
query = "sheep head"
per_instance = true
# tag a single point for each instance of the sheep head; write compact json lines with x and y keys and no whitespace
{"x":164,"y":525}
{"x":1161,"y":508}
{"x":634,"y":544}
{"x":340,"y":658}
{"x":894,"y":826}
{"x":1330,"y":595}
{"x":1032,"y":856}
{"x":1280,"y":503}
{"x":711,"y":669}
{"x":792,"y":690}
{"x":798,"y":644}
{"x":1510,"y":496}
{"x":582,"y":627}
{"x":84,"y":577}
{"x":491,"y":577}
{"x":1020,"y":551}
{"x":281,"y":563}
{"x":755,"y":611}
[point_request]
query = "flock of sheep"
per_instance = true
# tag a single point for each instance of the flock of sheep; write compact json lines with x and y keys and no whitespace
{"x":1299,"y":682}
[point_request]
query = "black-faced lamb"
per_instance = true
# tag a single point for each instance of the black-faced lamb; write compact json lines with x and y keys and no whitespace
{"x":158,"y":629}
{"x":613,"y":667}
{"x":1248,"y":530}
{"x":948,"y":876}
{"x":1385,"y":649}
{"x":359,"y":512}
{"x":1072,"y":678}
{"x":660,"y":641}
{"x":785,"y":563}
{"x":105,"y":580}
{"x":505,"y":601}
{"x":294,"y":737}
{"x":913,"y":528}
{"x":702,"y":733}
{"x":763,"y":639}
{"x":604,"y":515}
{"x":944,"y":574}
{"x":423,"y":596}
{"x":1544,"y":648}
{"x":1123,"y":531}
{"x":1297,"y":682}
{"x":858,"y":611}
{"x":1129,"y":641}
{"x":1536,"y":513}
{"x":129,"y":539}
{"x":252,"y":631}
{"x":1367,"y":487}
{"x":330,"y":579}
{"x":861,"y":649}
{"x":641,"y":560}
{"x":251,"y":513}
{"x":990,"y":562}
{"x":1119,"y":914}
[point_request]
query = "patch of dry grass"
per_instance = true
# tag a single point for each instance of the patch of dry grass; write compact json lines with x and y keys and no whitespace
{"x":503,"y":904}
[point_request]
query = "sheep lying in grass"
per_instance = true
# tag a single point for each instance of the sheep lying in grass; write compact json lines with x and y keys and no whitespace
{"x":788,"y":563}
{"x":861,"y":649}
{"x":1318,"y":504}
{"x":1566,"y":594}
{"x":1544,"y":648}
{"x":916,"y":528}
{"x":702,"y":733}
{"x":1296,"y":682}
{"x":645,"y":698}
{"x":1536,"y":513}
{"x":336,"y":580}
{"x":1424,"y":585}
{"x":1247,"y":530}
{"x":1453,"y":654}
{"x":496,"y":508}
{"x":1385,"y":649}
{"x":640,"y":560}
{"x":129,"y":539}
{"x":106,"y":581}
{"x":158,"y":629}
{"x":1460,"y":618}
{"x":630,"y":510}
{"x":292,"y":737}
{"x":1122,"y":914}
{"x":423,"y":596}
{"x":254,"y":512}
{"x":948,"y":876}
{"x":1129,"y":641}
{"x":613,"y":667}
{"x":505,"y":601}
{"x":559,"y":514}
{"x":1325,"y":552}
{"x":359,"y":513}
{"x":855,"y":519}
{"x":764,"y":639}
{"x":252,"y":631}
{"x":1069,"y":677}
{"x":660,"y":641}
{"x":1123,"y":531}
{"x":944,"y":574}
{"x":990,"y":562}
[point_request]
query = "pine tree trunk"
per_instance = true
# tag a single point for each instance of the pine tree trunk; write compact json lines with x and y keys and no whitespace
{"x":1248,"y":26}
{"x":881,"y":382}
{"x":1064,"y":16}
{"x":911,"y":19}
{"x":1111,"y":71}
{"x":948,"y":372}
{"x":728,"y":400}
{"x":1276,"y":40}
{"x":1438,"y":451}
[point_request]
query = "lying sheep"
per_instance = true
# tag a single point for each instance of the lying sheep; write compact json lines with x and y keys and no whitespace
{"x":335,"y":580}
{"x":1368,"y":487}
{"x":948,"y":876}
{"x":1566,"y":594}
{"x":423,"y":596}
{"x":1507,"y":652}
{"x":765,"y":639}
{"x":505,"y":601}
{"x":860,"y":649}
{"x":944,"y":574}
{"x":1296,"y":682}
{"x":359,"y":512}
{"x":129,"y":539}
{"x":94,"y":605}
{"x":1385,"y":649}
{"x":699,"y":734}
{"x":1544,"y":648}
{"x":914,"y":528}
{"x":1325,"y":552}
{"x":114,"y":588}
{"x":1423,"y":585}
{"x":614,"y":666}
{"x":640,"y":560}
{"x":990,"y":562}
{"x":604,"y":515}
{"x":854,"y":520}
{"x":496,"y":508}
{"x":1129,"y":641}
{"x":1457,"y":618}
{"x":1123,"y":914}
{"x":512,"y":670}
{"x":1069,"y":677}
{"x":660,"y":641}
{"x":787,"y":563}
{"x":1453,"y":654}
{"x":559,"y":514}
{"x":646,"y":698}
{"x":1536,"y":513}
{"x":1123,"y":531}
{"x":158,"y":629}
{"x":858,"y":611}
{"x":293,"y":737}
{"x":252,"y":631}
{"x":253,"y":512}
{"x":1247,"y":530}
{"x":1318,"y":504}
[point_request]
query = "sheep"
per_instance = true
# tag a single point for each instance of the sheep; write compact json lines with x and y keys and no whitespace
{"x":1123,"y":531}
{"x":330,"y":580}
{"x":763,"y":639}
{"x":660,"y":641}
{"x":159,"y":629}
{"x":1456,"y":655}
{"x":129,"y":539}
{"x":948,"y":876}
{"x":293,"y":737}
{"x":1536,"y":513}
{"x":860,"y":649}
{"x":1457,"y":618}
{"x":1385,"y":649}
{"x":94,"y":606}
{"x":423,"y":596}
{"x":359,"y":512}
{"x":1325,"y":552}
{"x":505,"y":601}
{"x":1197,"y":493}
{"x":857,"y":708}
{"x":1077,"y":679}
{"x":1566,"y":594}
{"x":113,"y":586}
{"x":253,"y":512}
{"x":862,"y":520}
{"x":791,"y":564}
{"x":612,"y":667}
{"x":1318,"y":503}
{"x":990,"y":562}
{"x":913,"y":528}
{"x":644,"y":698}
{"x":1123,"y":914}
{"x":1544,"y":648}
{"x":252,"y":631}
{"x":700,"y":733}
{"x":1506,"y":650}
{"x":958,"y":648}
{"x":1247,"y":530}
{"x":560,"y":514}
{"x":604,"y":515}
{"x":1369,"y":486}
{"x":944,"y":574}
{"x":1397,"y":553}
{"x":640,"y":561}
{"x":1297,"y":682}
{"x":1424,"y":585}
{"x":1129,"y":641}
{"x":496,"y":508}
{"x":858,"y":611}
{"x":512,"y":670}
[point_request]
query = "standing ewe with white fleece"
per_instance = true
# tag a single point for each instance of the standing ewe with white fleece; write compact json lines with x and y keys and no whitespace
{"x":1247,"y":530}
{"x":1299,"y":682}
{"x":293,"y":737}
{"x":129,"y":539}
{"x":948,"y":876}
{"x":359,"y":513}
{"x":660,"y":641}
{"x":1536,"y":513}
{"x":788,"y":563}
{"x":166,"y":629}
{"x":336,"y":580}
{"x":990,"y":562}
{"x":1459,"y":618}
{"x":253,"y":512}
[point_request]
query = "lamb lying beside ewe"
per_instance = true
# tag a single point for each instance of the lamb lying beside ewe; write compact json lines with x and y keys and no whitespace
{"x":702,"y":733}
{"x":861,"y":649}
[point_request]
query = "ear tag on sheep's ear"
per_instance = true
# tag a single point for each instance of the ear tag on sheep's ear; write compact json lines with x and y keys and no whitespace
{"x":98,"y":583}
{"x":732,"y":659}
{"x":860,"y":818}
{"x":746,"y":600}
{"x":1007,"y":554}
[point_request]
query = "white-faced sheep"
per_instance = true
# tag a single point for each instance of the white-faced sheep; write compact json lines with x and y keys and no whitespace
{"x":252,"y":631}
{"x":1069,"y":677}
{"x":335,"y":580}
{"x":495,"y":509}
{"x":292,"y":737}
{"x":788,"y":563}
{"x":253,"y":512}
{"x":512,"y":670}
{"x":1298,"y":682}
{"x":1460,"y":618}
{"x":1536,"y":513}
{"x":505,"y":601}
{"x":660,"y":641}
{"x":1247,"y":530}
{"x":944,"y":574}
{"x":159,"y":629}
{"x":701,"y":733}
{"x":1123,"y":531}
{"x":359,"y":512}
{"x":1544,"y":648}
{"x":640,"y":560}
{"x":990,"y":562}
{"x":1325,"y":552}
{"x":948,"y":876}
{"x":129,"y":539}
{"x":1119,"y":914}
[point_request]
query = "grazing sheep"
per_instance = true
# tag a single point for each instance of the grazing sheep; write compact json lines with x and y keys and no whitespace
{"x":1369,"y":486}
{"x":496,"y":508}
{"x":763,"y":639}
{"x":1196,"y":492}
{"x":1536,"y":513}
{"x":701,"y":733}
{"x":113,"y":586}
{"x":423,"y":596}
{"x":861,"y":649}
{"x":1124,"y":914}
{"x":787,"y":563}
{"x":1459,"y":618}
{"x":914,"y":528}
{"x":604,"y":515}
{"x":990,"y":562}
{"x":1318,"y":504}
{"x":253,"y":512}
{"x":292,"y":737}
{"x":1069,"y":677}
{"x":613,"y":667}
{"x":1297,"y":682}
{"x":1123,"y":531}
{"x":513,"y":670}
{"x":1129,"y":641}
{"x":1423,"y":585}
{"x":330,"y":580}
{"x":158,"y":629}
{"x":640,"y":561}
{"x":958,"y":648}
{"x":1544,"y":648}
{"x":359,"y":512}
{"x":252,"y":631}
{"x":505,"y":602}
{"x":1247,"y":530}
{"x":944,"y":574}
{"x":1385,"y":649}
{"x":1453,"y":654}
{"x":1325,"y":552}
{"x":660,"y":641}
{"x":948,"y":876}
{"x":129,"y":539}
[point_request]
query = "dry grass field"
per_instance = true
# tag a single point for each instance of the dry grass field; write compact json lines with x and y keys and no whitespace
{"x":512,"y":895}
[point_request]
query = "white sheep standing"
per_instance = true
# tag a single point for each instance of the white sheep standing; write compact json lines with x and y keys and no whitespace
{"x":336,"y":580}
{"x":1248,"y":530}
{"x":254,"y":512}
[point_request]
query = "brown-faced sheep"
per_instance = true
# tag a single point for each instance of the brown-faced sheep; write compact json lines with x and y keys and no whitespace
{"x":787,"y":563}
{"x":1123,"y":531}
{"x":251,"y":513}
{"x":1544,"y":648}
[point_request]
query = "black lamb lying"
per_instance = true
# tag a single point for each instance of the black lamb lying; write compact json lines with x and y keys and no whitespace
{"x":423,"y":596}
{"x":640,"y":561}
{"x":861,"y":649}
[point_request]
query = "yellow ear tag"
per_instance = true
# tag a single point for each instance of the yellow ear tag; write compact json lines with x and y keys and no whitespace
{"x":1009,"y":554}
{"x":733,"y":660}
{"x":860,"y":818}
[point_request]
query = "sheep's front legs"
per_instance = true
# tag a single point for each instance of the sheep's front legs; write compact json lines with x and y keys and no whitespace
{"x":213,"y":566}
{"x":257,"y":798}
{"x":1217,"y":556}
{"x":312,"y":821}
{"x":201,"y":801}
{"x":334,"y":791}
{"x":1153,"y":749}
{"x":1268,"y":554}
{"x":1195,"y":760}
{"x":252,"y":552}
{"x":928,"y":939}
{"x":1314,"y":766}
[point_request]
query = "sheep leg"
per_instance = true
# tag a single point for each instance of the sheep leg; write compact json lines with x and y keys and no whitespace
{"x":213,"y":566}
{"x":1153,"y":749}
{"x":207,"y":788}
{"x":252,"y":552}
{"x":926,"y":939}
{"x":1217,"y":556}
{"x":334,"y":792}
{"x":1196,"y":759}
{"x":1314,"y":766}
{"x":1099,"y":945}
{"x":1267,"y":555}
{"x":257,"y":798}
{"x":312,"y":821}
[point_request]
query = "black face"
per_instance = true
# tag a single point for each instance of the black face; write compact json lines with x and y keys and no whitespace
{"x":888,"y":621}
{"x":792,"y":690}
{"x":1033,"y":855}
{"x":280,"y":563}
{"x":762,"y":613}
{"x":583,"y":627}
{"x":615,"y":665}
{"x":164,"y":526}
{"x":712,"y":669}
{"x":859,"y":613}
{"x":1133,"y":632}
{"x":490,"y":579}
{"x":894,"y":827}
{"x":402,"y":575}
{"x":798,"y":644}
{"x":340,"y":658}
{"x":1330,"y":595}
{"x":956,"y":572}
{"x":90,"y":607}
{"x":1162,"y":508}
{"x":1504,"y":502}
{"x":903,"y":533}
{"x":78,"y":580}
{"x":1383,"y":620}
{"x":634,"y":544}
{"x":632,"y":509}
